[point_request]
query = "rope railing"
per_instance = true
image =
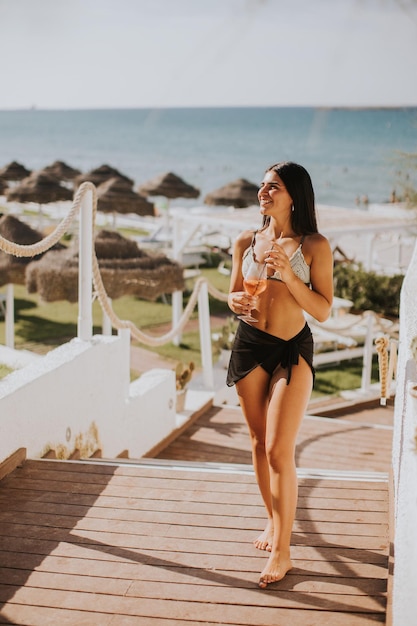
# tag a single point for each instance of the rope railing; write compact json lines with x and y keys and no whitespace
{"x":47,"y":242}
{"x":387,"y":365}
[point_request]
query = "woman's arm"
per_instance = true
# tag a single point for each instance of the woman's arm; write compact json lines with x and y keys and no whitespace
{"x":318,"y":300}
{"x":237,"y":297}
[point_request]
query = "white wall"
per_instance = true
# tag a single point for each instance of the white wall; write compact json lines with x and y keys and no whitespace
{"x":80,"y":384}
{"x":404,"y":601}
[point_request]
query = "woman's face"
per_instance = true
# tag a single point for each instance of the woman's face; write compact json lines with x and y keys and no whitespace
{"x":274,"y":199}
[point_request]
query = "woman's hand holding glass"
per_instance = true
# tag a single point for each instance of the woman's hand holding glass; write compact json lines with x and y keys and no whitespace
{"x":254,"y":283}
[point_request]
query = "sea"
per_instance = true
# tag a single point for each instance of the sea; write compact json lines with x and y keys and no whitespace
{"x":351,"y":154}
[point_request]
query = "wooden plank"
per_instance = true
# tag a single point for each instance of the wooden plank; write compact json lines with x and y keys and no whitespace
{"x":246,"y":591}
{"x":16,"y":459}
{"x":43,"y":616}
{"x":129,"y":512}
{"x":262,"y":611}
{"x":77,"y":560}
{"x":163,"y":526}
{"x":47,"y":616}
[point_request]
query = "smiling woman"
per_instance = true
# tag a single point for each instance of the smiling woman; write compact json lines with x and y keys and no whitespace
{"x":271,"y":362}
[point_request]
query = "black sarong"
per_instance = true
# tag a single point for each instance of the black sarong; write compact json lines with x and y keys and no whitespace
{"x":253,"y":347}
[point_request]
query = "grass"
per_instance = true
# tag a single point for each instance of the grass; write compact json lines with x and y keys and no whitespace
{"x":332,"y":380}
{"x":42,"y":326}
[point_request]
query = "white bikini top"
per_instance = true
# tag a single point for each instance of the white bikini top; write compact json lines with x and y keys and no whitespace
{"x":297,"y":261}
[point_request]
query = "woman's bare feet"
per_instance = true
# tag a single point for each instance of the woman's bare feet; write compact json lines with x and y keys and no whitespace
{"x":274,"y":570}
{"x":264,"y":541}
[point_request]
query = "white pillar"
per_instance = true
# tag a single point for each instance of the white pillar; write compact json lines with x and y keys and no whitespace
{"x":177,"y":296}
{"x":205,"y":336}
{"x":177,"y":309}
{"x":85,"y":268}
{"x":368,"y":350}
{"x":9,"y":316}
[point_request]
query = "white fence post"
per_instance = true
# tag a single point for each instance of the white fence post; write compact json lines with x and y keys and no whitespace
{"x":205,"y":336}
{"x":9,"y":316}
{"x":85,"y":268}
{"x":177,"y":309}
{"x":367,"y":354}
{"x":177,"y":296}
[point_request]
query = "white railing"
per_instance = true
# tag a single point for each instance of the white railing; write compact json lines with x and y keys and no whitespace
{"x":404,"y":459}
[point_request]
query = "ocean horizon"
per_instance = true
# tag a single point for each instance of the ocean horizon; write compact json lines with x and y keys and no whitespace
{"x":349,"y":152}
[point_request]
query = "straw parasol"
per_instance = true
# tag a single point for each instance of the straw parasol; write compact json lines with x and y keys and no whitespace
{"x":3,"y":186}
{"x":12,"y":268}
{"x":61,"y":170}
{"x":39,"y":187}
{"x":14,"y":171}
{"x":240,"y":193}
{"x":169,"y":186}
{"x":117,"y":196}
{"x":100,"y":175}
{"x":124,"y":268}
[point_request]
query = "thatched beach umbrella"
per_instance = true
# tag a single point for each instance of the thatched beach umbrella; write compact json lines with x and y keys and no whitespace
{"x":116,"y":195}
{"x":125,"y":270}
{"x":239,"y":194}
{"x":169,"y":186}
{"x":100,"y":175}
{"x":62,"y":171}
{"x":39,"y":187}
{"x":14,"y":171}
{"x":3,"y":186}
{"x":12,"y":268}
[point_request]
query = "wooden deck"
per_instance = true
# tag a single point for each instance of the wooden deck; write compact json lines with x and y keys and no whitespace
{"x":168,"y":542}
{"x":360,"y":440}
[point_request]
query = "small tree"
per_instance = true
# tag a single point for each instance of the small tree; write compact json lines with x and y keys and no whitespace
{"x":407,"y":178}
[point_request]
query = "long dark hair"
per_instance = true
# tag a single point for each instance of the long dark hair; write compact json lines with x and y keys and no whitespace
{"x":298,"y":184}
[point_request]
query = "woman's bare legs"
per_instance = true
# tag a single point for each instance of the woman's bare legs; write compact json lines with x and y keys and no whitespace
{"x":286,"y":409}
{"x":253,"y":391}
{"x":274,"y":412}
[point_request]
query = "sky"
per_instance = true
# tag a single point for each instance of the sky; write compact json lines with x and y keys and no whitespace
{"x":66,"y":54}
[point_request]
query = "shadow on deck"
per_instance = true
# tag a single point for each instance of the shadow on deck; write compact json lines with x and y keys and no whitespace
{"x":168,"y":541}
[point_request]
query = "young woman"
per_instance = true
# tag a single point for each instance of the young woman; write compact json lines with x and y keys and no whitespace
{"x":272,"y":358}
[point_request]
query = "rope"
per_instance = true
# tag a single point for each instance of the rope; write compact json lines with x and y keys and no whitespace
{"x":219,"y":295}
{"x":44,"y":244}
{"x":381,"y":344}
{"x":20,"y":250}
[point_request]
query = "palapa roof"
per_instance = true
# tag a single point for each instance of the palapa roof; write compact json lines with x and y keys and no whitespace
{"x":12,"y":268}
{"x":14,"y":171}
{"x":240,"y":193}
{"x":100,"y":174}
{"x":3,"y":185}
{"x":125,"y":270}
{"x":117,"y":195}
{"x":39,"y":187}
{"x":61,"y":170}
{"x":170,"y":186}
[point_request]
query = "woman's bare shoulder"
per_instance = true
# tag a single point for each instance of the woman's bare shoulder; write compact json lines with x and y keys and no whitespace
{"x":316,"y":241}
{"x":244,"y":239}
